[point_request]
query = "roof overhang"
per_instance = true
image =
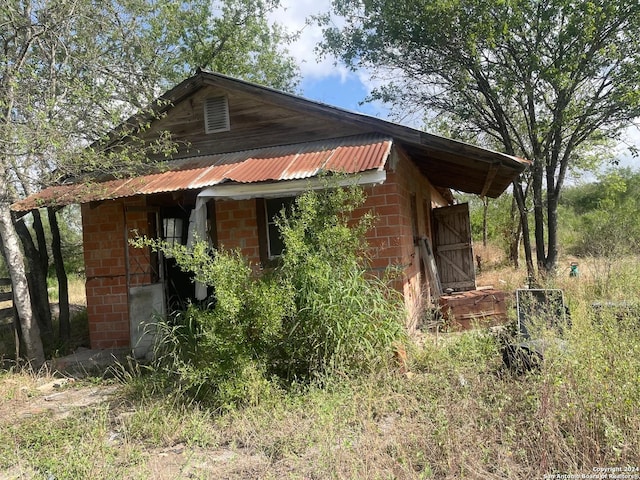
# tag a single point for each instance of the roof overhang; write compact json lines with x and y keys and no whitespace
{"x":289,"y":188}
{"x":270,"y":171}
{"x":460,"y":167}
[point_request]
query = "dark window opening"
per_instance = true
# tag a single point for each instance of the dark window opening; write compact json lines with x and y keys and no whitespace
{"x":271,"y":243}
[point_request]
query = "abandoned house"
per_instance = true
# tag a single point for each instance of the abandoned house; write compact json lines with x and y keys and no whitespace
{"x":244,"y":151}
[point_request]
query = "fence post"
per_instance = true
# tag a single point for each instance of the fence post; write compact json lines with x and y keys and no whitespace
{"x":10,"y":312}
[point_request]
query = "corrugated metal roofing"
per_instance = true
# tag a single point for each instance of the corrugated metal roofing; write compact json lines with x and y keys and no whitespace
{"x":288,"y":162}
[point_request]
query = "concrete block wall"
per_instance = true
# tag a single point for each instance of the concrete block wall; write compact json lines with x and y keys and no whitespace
{"x":105,"y":254}
{"x":236,"y":227}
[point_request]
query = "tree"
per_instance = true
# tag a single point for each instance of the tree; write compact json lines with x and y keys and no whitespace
{"x":554,"y":81}
{"x":72,"y":70}
{"x":233,"y":37}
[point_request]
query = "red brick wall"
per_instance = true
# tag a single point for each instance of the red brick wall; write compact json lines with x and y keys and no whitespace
{"x":105,"y":254}
{"x":392,"y":237}
{"x":237,"y":227}
{"x":106,"y":249}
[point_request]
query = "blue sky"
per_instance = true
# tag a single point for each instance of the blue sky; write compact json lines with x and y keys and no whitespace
{"x":347,"y":93}
{"x":321,"y":79}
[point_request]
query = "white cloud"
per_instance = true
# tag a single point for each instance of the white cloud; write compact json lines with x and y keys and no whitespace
{"x":294,"y":16}
{"x":622,"y":152}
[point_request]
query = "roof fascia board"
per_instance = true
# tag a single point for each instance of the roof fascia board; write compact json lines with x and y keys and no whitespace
{"x":288,"y":188}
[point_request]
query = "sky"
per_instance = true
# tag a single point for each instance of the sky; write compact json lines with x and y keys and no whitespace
{"x":322,"y":80}
{"x":335,"y":85}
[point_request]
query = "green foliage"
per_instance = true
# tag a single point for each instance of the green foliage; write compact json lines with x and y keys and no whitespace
{"x":605,"y":215}
{"x":233,"y":37}
{"x":74,"y":71}
{"x":345,"y":318}
{"x":551,"y":81}
{"x":222,"y":354}
{"x":459,"y":413}
{"x":316,"y":313}
{"x":593,"y":383}
{"x":73,"y":447}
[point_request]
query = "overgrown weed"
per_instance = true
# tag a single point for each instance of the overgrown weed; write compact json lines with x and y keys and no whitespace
{"x":318,"y":311}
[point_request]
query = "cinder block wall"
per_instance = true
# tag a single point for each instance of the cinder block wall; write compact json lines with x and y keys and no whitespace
{"x":107,"y":226}
{"x":106,"y":251}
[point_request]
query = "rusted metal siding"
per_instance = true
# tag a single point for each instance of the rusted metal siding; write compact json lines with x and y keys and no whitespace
{"x":348,"y":155}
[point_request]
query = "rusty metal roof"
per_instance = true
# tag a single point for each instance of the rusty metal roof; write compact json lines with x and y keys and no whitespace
{"x":288,"y":162}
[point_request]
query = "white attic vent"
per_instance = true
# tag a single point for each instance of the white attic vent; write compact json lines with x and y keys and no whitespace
{"x":216,"y":115}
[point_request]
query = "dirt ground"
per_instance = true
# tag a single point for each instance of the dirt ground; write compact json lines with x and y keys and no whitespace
{"x":60,"y":398}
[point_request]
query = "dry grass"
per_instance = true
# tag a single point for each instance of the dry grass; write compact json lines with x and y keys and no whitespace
{"x":77,"y":293}
{"x":457,"y":414}
{"x":495,"y":270}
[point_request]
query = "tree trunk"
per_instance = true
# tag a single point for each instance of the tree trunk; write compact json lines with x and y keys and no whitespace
{"x":22,"y":299}
{"x":37,"y":278}
{"x":63,"y":285}
{"x":42,"y":242}
{"x":516,"y":234}
{"x":538,"y":214}
{"x":551,"y":261}
{"x":485,"y":211}
{"x":524,"y":223}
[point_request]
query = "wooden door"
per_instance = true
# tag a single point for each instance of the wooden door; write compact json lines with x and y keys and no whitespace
{"x":452,"y":247}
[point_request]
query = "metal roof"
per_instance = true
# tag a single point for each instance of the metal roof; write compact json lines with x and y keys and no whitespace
{"x":287,"y":162}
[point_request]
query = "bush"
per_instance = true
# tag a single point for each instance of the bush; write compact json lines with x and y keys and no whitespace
{"x":221,"y":354}
{"x":344,"y":318}
{"x":316,"y":313}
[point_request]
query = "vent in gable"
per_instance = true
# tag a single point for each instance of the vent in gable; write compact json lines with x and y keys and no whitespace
{"x":216,"y":115}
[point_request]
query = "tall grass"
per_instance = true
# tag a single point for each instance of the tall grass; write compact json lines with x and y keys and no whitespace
{"x":458,"y":413}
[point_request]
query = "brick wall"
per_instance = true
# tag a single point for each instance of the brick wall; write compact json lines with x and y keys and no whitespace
{"x":105,"y":254}
{"x":107,"y":251}
{"x":392,"y":237}
{"x":237,"y":227}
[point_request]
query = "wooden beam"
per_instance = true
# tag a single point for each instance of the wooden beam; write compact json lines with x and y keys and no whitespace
{"x":491,"y":174}
{"x":430,"y":263}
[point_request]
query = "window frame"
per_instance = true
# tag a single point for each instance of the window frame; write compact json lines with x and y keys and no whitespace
{"x":267,"y":226}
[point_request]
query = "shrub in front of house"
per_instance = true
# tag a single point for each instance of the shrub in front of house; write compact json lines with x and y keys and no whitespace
{"x":316,"y":313}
